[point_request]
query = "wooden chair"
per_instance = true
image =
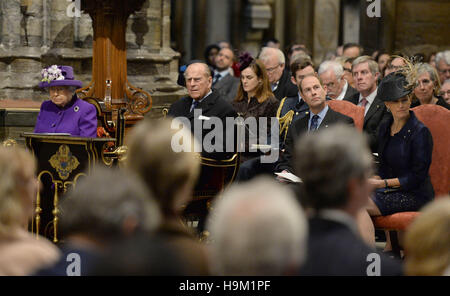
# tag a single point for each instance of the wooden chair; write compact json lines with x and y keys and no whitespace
{"x":350,"y":110}
{"x":437,"y":119}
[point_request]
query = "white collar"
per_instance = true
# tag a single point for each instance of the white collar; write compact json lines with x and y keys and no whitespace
{"x":344,"y":90}
{"x":370,"y":97}
{"x":222,"y":73}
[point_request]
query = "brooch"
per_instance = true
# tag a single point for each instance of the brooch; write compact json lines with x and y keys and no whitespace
{"x":76,"y":109}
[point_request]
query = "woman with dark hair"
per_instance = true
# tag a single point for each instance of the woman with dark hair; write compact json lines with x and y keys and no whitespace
{"x":256,"y":100}
{"x":210,"y":54}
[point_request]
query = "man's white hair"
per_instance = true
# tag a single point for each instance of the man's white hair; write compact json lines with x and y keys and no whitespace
{"x":332,"y":65}
{"x":268,"y":52}
{"x":257,"y":228}
{"x":443,"y":55}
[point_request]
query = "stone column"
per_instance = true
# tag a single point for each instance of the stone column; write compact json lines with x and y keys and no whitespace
{"x":31,"y":23}
{"x":218,"y":18}
{"x":11,"y":17}
{"x":257,"y":16}
{"x":61,"y":26}
{"x":326,"y":28}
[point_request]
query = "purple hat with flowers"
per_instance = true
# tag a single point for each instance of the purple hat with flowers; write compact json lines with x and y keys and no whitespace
{"x":58,"y":76}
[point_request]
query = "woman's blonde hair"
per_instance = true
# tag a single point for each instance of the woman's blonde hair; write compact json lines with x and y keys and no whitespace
{"x":263,"y":91}
{"x":427,"y":241}
{"x":16,"y":165}
{"x":164,"y":170}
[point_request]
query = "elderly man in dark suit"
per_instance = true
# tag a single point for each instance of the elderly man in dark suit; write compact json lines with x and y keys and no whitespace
{"x":331,"y":73}
{"x":203,"y":104}
{"x":334,"y":165}
{"x":223,"y":81}
{"x":279,"y":76}
{"x":319,"y":116}
{"x":365,"y":73}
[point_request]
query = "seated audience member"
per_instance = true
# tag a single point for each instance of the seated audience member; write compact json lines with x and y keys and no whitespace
{"x":320,"y":116}
{"x":65,"y":112}
{"x":257,"y":229}
{"x":427,"y":240}
{"x":336,"y":188}
{"x":382,"y":58}
{"x":171,"y":176}
{"x":21,"y":253}
{"x":394,"y":64}
{"x":223,"y":81}
{"x":205,"y":102}
{"x":295,"y":49}
{"x":352,"y":50}
{"x":108,"y":206}
{"x":294,"y":108}
{"x":427,"y":86}
{"x":443,"y":65}
{"x":365,"y":73}
{"x":445,"y":91}
{"x":254,"y":100}
{"x":331,"y":73}
{"x":348,"y":75}
{"x":279,"y":76}
{"x":210,"y":54}
{"x":300,"y":55}
{"x":405,"y":148}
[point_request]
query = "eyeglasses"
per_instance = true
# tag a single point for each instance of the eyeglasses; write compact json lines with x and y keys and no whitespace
{"x":270,"y":70}
{"x":446,"y":71}
{"x":443,"y":93}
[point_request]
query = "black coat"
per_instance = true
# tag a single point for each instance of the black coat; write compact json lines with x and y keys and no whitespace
{"x":299,"y":127}
{"x":334,"y":249}
{"x":377,"y":113}
{"x":285,"y":86}
{"x":212,"y":106}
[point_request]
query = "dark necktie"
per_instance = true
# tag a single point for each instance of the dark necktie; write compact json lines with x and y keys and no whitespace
{"x":194,"y":105}
{"x":314,"y":123}
{"x":217,"y":78}
{"x":364,"y":103}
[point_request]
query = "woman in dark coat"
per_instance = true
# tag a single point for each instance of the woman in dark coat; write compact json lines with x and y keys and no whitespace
{"x":254,"y":100}
{"x":405,"y":148}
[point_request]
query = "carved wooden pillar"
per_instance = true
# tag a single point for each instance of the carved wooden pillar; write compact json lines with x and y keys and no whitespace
{"x":109,"y":61}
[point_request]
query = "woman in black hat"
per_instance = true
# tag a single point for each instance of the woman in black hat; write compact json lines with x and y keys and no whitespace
{"x":405,"y":147}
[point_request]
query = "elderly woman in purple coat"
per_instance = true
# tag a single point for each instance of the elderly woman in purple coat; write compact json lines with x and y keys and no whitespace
{"x":65,"y":112}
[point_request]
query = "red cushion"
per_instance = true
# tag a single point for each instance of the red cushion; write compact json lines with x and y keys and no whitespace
{"x":349,"y":109}
{"x":397,"y":221}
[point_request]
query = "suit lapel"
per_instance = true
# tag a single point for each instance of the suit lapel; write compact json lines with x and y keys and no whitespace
{"x":329,"y":118}
{"x":222,"y":82}
{"x":374,"y":107}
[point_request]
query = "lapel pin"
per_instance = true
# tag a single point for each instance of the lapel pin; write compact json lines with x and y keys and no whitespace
{"x":76,"y":109}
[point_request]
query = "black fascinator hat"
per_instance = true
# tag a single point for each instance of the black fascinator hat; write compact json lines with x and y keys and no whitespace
{"x":245,"y":59}
{"x":393,"y":87}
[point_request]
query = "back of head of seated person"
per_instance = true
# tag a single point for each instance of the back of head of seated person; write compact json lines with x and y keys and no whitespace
{"x":427,"y":240}
{"x":20,"y":252}
{"x":169,"y":173}
{"x":107,"y":205}
{"x":257,"y":228}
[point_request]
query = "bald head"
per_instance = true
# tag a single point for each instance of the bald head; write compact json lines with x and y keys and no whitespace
{"x":224,"y":59}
